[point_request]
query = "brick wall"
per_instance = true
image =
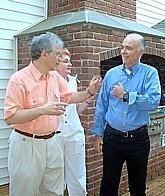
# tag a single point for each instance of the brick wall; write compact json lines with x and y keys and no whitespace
{"x":121,"y":8}
{"x":89,"y":45}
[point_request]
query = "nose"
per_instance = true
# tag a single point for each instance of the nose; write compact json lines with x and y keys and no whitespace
{"x":123,"y":50}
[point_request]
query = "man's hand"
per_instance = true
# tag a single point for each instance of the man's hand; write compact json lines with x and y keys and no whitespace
{"x":98,"y":142}
{"x":26,"y":115}
{"x":94,"y":84}
{"x":54,"y":108}
{"x":118,"y":90}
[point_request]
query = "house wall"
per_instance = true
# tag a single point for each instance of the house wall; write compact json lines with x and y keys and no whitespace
{"x":14,"y":16}
{"x":124,"y":9}
{"x":150,"y":12}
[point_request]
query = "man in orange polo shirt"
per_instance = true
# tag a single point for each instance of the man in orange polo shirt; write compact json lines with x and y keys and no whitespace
{"x":32,"y":106}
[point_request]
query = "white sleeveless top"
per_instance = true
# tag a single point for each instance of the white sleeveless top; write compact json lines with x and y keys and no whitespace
{"x":70,"y":122}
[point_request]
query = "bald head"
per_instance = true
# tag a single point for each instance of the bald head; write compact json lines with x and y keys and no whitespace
{"x":132,"y":49}
{"x":138,"y":38}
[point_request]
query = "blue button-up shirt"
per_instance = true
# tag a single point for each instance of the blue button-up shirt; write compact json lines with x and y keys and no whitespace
{"x":144,"y":89}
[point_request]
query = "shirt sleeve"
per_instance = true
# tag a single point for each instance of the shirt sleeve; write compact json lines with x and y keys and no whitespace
{"x":13,"y":100}
{"x":148,"y":99}
{"x":101,"y":109}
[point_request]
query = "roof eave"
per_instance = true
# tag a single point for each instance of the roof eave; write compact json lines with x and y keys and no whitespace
{"x":93,"y":17}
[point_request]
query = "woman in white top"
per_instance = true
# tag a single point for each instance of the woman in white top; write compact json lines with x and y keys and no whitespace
{"x":72,"y":134}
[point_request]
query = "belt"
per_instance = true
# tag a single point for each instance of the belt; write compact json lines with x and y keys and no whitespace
{"x":132,"y":133}
{"x":47,"y":136}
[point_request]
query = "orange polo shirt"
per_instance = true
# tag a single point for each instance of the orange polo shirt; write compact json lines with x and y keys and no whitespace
{"x":28,"y":88}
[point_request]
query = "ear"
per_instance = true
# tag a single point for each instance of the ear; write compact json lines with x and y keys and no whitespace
{"x":44,"y":54}
{"x":141,"y":51}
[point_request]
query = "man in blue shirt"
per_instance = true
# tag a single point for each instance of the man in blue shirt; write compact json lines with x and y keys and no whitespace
{"x":129,"y":91}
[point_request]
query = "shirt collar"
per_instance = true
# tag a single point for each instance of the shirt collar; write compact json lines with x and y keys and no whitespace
{"x":133,"y":69}
{"x":36,"y":74}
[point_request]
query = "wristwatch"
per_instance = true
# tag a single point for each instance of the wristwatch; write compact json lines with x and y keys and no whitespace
{"x":126,"y":97}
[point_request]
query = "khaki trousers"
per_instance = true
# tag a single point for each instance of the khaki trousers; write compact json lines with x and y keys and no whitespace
{"x":35,"y":166}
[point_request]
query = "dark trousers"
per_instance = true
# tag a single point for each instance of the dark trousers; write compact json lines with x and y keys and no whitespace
{"x":118,"y":148}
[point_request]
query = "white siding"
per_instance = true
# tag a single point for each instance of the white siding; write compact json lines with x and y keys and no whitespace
{"x":15,"y":15}
{"x":150,"y":12}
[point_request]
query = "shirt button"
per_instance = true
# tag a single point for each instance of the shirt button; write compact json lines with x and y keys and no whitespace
{"x":65,"y":121}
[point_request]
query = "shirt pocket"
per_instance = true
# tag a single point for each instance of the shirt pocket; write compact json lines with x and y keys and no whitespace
{"x":36,"y":102}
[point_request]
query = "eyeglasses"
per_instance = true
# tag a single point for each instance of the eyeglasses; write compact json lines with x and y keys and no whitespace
{"x":65,"y":61}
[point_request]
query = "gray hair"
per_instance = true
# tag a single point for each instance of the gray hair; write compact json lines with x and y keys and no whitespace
{"x":46,"y":42}
{"x":139,"y":38}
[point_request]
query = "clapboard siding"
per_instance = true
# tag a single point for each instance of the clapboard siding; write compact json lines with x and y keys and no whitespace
{"x":28,"y":18}
{"x":3,"y":83}
{"x":15,"y":15}
{"x":150,"y":12}
{"x":13,"y":25}
{"x":6,"y":53}
{"x":6,"y":44}
{"x":22,"y":7}
{"x":1,"y":105}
